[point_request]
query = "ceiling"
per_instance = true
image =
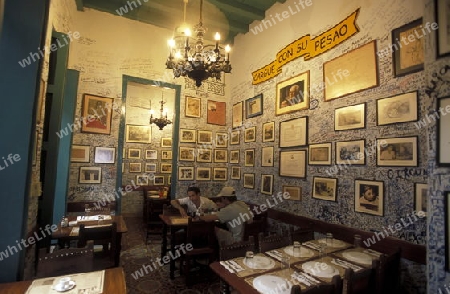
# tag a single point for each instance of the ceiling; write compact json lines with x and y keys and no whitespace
{"x":229,"y":17}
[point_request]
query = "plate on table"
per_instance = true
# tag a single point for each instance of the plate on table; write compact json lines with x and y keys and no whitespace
{"x":320,"y":269}
{"x":334,"y":243}
{"x":61,"y":288}
{"x":260,"y":262}
{"x":272,"y":284}
{"x":358,"y":257}
{"x":304,"y":252}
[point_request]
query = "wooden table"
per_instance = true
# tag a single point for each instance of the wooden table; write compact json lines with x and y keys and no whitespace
{"x":114,"y":283}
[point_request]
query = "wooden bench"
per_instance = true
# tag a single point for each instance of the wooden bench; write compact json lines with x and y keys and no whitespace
{"x":77,"y":208}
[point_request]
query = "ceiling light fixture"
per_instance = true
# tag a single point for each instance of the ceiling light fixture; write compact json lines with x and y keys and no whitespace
{"x":162,"y":121}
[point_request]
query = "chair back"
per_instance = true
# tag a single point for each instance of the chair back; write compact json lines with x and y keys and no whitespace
{"x":200,"y":234}
{"x":271,"y":242}
{"x":253,"y":229}
{"x":361,"y":281}
{"x":388,"y":272}
{"x":237,"y":249}
{"x":301,"y":235}
{"x":95,"y":210}
{"x":105,"y":234}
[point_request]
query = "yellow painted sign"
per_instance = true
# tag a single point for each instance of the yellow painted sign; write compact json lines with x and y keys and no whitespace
{"x":308,"y":48}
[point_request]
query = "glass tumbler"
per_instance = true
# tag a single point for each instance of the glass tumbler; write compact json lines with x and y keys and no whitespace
{"x":249,"y":257}
{"x":296,"y":249}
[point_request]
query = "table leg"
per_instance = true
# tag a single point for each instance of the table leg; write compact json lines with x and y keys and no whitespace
{"x":118,"y":249}
{"x":172,"y":249}
{"x":224,"y":287}
{"x":164,"y":241}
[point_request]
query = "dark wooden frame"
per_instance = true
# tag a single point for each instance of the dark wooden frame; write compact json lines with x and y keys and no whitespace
{"x":270,"y":191}
{"x":381,"y":194}
{"x":92,"y":168}
{"x":447,"y":229}
{"x":442,"y":127}
{"x":439,"y":8}
{"x":257,"y":99}
{"x":303,"y":124}
{"x":398,"y":162}
{"x":398,"y":96}
{"x":243,"y":180}
{"x":320,"y":162}
{"x":336,"y":115}
{"x":269,"y":139}
{"x":335,"y":186}
{"x":305,"y":159}
{"x":108,"y":104}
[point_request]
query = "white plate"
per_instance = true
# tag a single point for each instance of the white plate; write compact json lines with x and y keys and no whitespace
{"x":358,"y":257}
{"x":320,"y":269}
{"x":272,"y":284}
{"x":304,"y":252}
{"x":260,"y":262}
{"x":60,"y":288}
{"x":334,"y":243}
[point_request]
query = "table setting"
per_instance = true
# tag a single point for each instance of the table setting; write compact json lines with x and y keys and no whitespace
{"x":245,"y":266}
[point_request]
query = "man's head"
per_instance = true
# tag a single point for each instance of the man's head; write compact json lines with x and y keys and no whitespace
{"x":293,"y":91}
{"x":193,"y":193}
{"x":226,"y":196}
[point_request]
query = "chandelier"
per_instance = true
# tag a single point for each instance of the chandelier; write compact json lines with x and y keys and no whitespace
{"x":191,"y":57}
{"x":162,"y":121}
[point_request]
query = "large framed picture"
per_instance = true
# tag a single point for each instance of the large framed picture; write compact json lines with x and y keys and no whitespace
{"x":369,"y":197}
{"x":185,"y":173}
{"x":220,"y":155}
{"x":216,"y":113}
{"x":187,"y":154}
{"x":237,"y":115}
{"x":319,"y":154}
{"x":295,"y":192}
{"x":250,"y":134}
{"x":138,"y":134}
{"x":90,"y":175}
{"x":235,"y":173}
{"x":420,"y":197}
{"x":105,"y":155}
{"x":187,"y":136}
{"x":204,"y":137}
{"x":294,"y":132}
{"x":408,"y":57}
{"x":443,"y":133}
{"x":397,"y":151}
{"x":97,"y":114}
{"x":397,"y":109}
{"x":203,"y":174}
{"x":350,"y":117}
{"x":267,"y":184}
{"x":221,"y":140}
{"x":292,"y":94}
{"x":443,"y":33}
{"x":249,"y":157}
{"x":350,"y":152}
{"x":268,"y":132}
{"x":293,"y":163}
{"x":193,"y":107}
{"x":267,"y":156}
{"x":80,"y":153}
{"x":254,"y":106}
{"x":134,"y":153}
{"x":234,"y":156}
{"x":324,"y":188}
{"x":220,"y":173}
{"x":249,"y":181}
{"x":235,"y":137}
{"x":204,"y":155}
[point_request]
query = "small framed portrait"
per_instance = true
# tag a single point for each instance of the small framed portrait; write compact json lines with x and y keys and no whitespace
{"x":254,"y":106}
{"x":324,"y":188}
{"x":142,"y":180}
{"x":166,"y":154}
{"x":250,"y":134}
{"x":151,"y":167}
{"x":443,"y":33}
{"x":266,"y":184}
{"x":369,"y":197}
{"x":220,"y":174}
{"x":267,"y":156}
{"x":135,"y":167}
{"x":351,"y":152}
{"x":204,"y":137}
{"x":97,"y":112}
{"x":249,"y":157}
{"x":235,"y":137}
{"x":90,"y":175}
{"x":151,"y":154}
{"x":169,"y":180}
{"x":249,"y":181}
{"x":294,"y":192}
{"x":193,"y":107}
{"x":187,"y":136}
{"x":203,"y":174}
{"x":79,"y":153}
{"x":105,"y":155}
{"x":221,"y":140}
{"x":138,"y":134}
{"x":166,"y":142}
{"x":319,"y":154}
{"x":294,"y":132}
{"x":158,"y":180}
{"x":397,"y":151}
{"x":204,"y":155}
{"x":220,"y":155}
{"x":185,"y":173}
{"x":268,"y":132}
{"x":134,"y":153}
{"x":165,"y":168}
{"x":350,"y":117}
{"x":443,"y":133}
{"x":237,"y":115}
{"x":234,"y":156}
{"x":397,"y":109}
{"x":235,"y":173}
{"x":217,"y":114}
{"x":292,"y":94}
{"x":420,"y":197}
{"x":187,"y":154}
{"x":293,"y":163}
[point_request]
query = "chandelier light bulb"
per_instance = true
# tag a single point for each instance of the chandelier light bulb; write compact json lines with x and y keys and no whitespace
{"x":187,"y":32}
{"x":217,"y":36}
{"x":227,"y":48}
{"x":171,"y":43}
{"x":178,"y":55}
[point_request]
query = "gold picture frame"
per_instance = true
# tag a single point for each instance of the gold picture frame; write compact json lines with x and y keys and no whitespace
{"x":193,"y":107}
{"x":292,"y":94}
{"x":96,"y":114}
{"x":138,"y":134}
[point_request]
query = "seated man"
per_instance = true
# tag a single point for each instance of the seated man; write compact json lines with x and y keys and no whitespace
{"x":195,"y":203}
{"x":234,"y":213}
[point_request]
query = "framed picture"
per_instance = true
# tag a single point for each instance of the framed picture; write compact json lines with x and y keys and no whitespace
{"x":250,"y":134}
{"x":324,"y":188}
{"x":204,"y":155}
{"x":447,"y":230}
{"x":268,"y":132}
{"x":79,"y":153}
{"x":150,"y":167}
{"x":187,"y":136}
{"x":185,"y":173}
{"x":292,"y":94}
{"x":443,"y":133}
{"x":408,"y":57}
{"x":142,"y":180}
{"x":351,"y":152}
{"x":151,"y":154}
{"x":220,"y":174}
{"x":350,"y":117}
{"x":294,"y":132}
{"x":249,"y":181}
{"x":187,"y":154}
{"x":235,"y":137}
{"x":193,"y":107}
{"x":169,"y":180}
{"x":166,"y":154}
{"x":293,"y":163}
{"x":221,"y":140}
{"x":420,"y":197}
{"x":267,"y":156}
{"x":158,"y":180}
{"x":443,"y":33}
{"x":97,"y":114}
{"x":249,"y":159}
{"x":295,"y":192}
{"x":235,"y":173}
{"x":369,"y":197}
{"x":105,"y":155}
{"x":319,"y":154}
{"x":234,"y":156}
{"x":355,"y":71}
{"x":397,"y":109}
{"x":165,"y":168}
{"x":135,"y":167}
{"x":204,"y":137}
{"x":266,"y":184}
{"x":254,"y":106}
{"x":134,"y":153}
{"x":397,"y":151}
{"x":237,"y":115}
{"x":90,"y":175}
{"x":203,"y":174}
{"x":220,"y":155}
{"x":166,"y":142}
{"x":138,"y":134}
{"x":216,"y":113}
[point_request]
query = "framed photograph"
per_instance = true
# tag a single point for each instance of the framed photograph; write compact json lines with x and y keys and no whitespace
{"x":369,"y":197}
{"x":193,"y":107}
{"x":267,"y":156}
{"x":249,"y":158}
{"x":203,"y":174}
{"x":134,"y":153}
{"x":397,"y":151}
{"x":90,"y":175}
{"x":105,"y":155}
{"x":221,"y":140}
{"x":187,"y":154}
{"x":235,"y":137}
{"x":447,"y":230}
{"x":319,"y":154}
{"x":292,"y":94}
{"x":254,"y":106}
{"x":355,"y":71}
{"x":324,"y":188}
{"x":135,"y":167}
{"x":165,"y":168}
{"x":267,"y":184}
{"x":293,"y":163}
{"x":220,"y":174}
{"x":97,"y":114}
{"x":142,"y":180}
{"x":397,"y":109}
{"x":249,"y":181}
{"x":79,"y":153}
{"x":268,"y":132}
{"x":204,"y":155}
{"x":204,"y":137}
{"x":138,"y":134}
{"x":351,"y":152}
{"x":150,"y":167}
{"x":295,"y":192}
{"x":443,"y":133}
{"x":250,"y":134}
{"x":294,"y":132}
{"x":187,"y":136}
{"x":151,"y":154}
{"x":235,"y":173}
{"x":350,"y":117}
{"x":185,"y":173}
{"x":420,"y":197}
{"x":220,"y":155}
{"x":443,"y":33}
{"x":234,"y":156}
{"x":169,"y":180}
{"x":216,"y":113}
{"x":408,"y":57}
{"x":158,"y":180}
{"x":166,"y":142}
{"x":237,"y":115}
{"x":166,"y":155}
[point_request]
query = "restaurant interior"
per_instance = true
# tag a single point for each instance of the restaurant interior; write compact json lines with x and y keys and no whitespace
{"x":120,"y":106}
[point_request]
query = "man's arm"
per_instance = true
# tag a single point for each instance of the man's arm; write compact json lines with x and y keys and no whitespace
{"x":209,"y":217}
{"x":175,"y":203}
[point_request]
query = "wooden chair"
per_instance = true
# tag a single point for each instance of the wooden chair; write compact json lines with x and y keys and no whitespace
{"x":334,"y":287}
{"x":360,"y":282}
{"x":155,"y":207}
{"x":253,"y":229}
{"x":301,"y":235}
{"x":65,"y":261}
{"x":387,"y":274}
{"x":271,"y":242}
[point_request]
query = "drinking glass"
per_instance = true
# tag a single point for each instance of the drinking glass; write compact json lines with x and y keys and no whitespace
{"x":357,"y":241}
{"x":285,"y":263}
{"x":296,"y":249}
{"x":329,"y":240}
{"x":249,"y":257}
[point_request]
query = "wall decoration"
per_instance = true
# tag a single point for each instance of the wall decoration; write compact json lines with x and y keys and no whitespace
{"x":138,"y":134}
{"x":293,"y":163}
{"x":96,"y":112}
{"x":324,"y":188}
{"x":185,"y":173}
{"x":266,"y":184}
{"x":204,"y":155}
{"x":267,"y":156}
{"x":166,"y":142}
{"x":79,"y":153}
{"x":319,"y":154}
{"x":142,"y":180}
{"x":166,"y":154}
{"x":150,"y":167}
{"x":268,"y":132}
{"x":220,"y":174}
{"x":90,"y":175}
{"x":220,"y":155}
{"x":221,"y":140}
{"x":158,"y":180}
{"x":397,"y":109}
{"x":443,"y":33}
{"x":135,"y":167}
{"x":397,"y":151}
{"x":193,"y":107}
{"x":254,"y":106}
{"x":105,"y":155}
{"x":165,"y":168}
{"x":352,"y":72}
{"x":250,"y":134}
{"x":151,"y":154}
{"x":235,"y":173}
{"x":204,"y":137}
{"x":420,"y":197}
{"x":249,"y":157}
{"x":234,"y":156}
{"x":369,"y":197}
{"x":187,"y":153}
{"x":249,"y":181}
{"x":169,"y":180}
{"x":447,"y":230}
{"x":351,"y":152}
{"x":187,"y":136}
{"x":295,"y":192}
{"x":134,"y":153}
{"x":235,"y":137}
{"x":443,"y":133}
{"x":294,"y":132}
{"x":292,"y":94}
{"x":203,"y":174}
{"x":408,"y":57}
{"x":216,"y":113}
{"x":350,"y":117}
{"x":237,"y":115}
